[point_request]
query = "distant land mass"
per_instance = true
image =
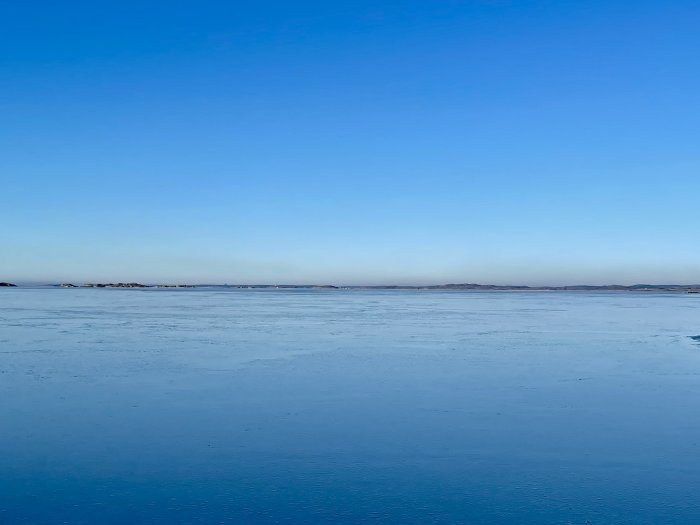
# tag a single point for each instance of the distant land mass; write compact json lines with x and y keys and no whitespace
{"x":689,"y":288}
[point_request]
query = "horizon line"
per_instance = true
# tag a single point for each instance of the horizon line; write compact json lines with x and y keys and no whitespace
{"x":462,"y":285}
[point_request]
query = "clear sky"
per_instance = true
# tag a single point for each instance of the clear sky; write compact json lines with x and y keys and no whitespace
{"x":350,"y":142}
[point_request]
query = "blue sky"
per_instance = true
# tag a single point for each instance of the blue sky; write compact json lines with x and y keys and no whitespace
{"x":350,"y":142}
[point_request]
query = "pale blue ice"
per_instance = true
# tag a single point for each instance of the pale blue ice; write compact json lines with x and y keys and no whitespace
{"x":348,"y":406}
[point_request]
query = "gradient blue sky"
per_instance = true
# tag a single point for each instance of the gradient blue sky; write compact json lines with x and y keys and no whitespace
{"x":350,"y":142}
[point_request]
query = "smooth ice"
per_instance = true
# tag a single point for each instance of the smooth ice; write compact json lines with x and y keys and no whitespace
{"x":348,"y":406}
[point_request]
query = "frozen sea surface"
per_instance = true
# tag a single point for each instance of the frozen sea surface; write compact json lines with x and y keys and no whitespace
{"x":388,"y":407}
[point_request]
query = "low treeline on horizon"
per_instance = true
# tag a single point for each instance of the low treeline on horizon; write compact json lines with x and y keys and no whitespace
{"x":692,"y":288}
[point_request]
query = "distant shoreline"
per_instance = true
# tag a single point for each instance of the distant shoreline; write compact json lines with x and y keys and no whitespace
{"x":689,"y":288}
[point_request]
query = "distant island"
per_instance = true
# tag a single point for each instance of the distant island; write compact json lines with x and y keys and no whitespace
{"x":689,"y":288}
{"x":124,"y":285}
